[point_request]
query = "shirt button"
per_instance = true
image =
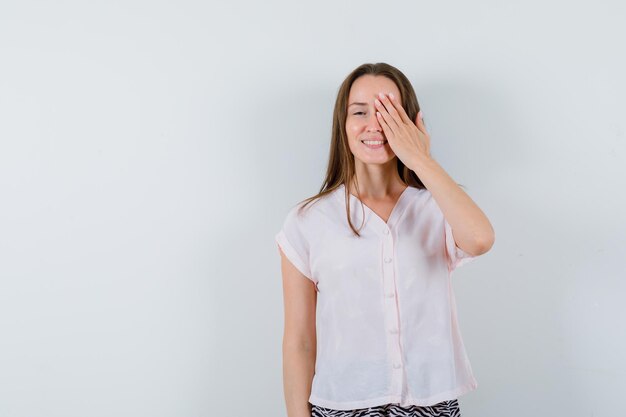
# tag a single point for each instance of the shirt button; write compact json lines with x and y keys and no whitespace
{"x":386,"y":231}
{"x":393,"y":331}
{"x":396,"y":365}
{"x":387,"y":259}
{"x":390,"y":295}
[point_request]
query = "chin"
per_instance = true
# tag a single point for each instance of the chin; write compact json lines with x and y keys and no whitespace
{"x":376,"y":161}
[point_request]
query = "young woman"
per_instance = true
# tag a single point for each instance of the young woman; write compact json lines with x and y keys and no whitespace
{"x":370,"y":315}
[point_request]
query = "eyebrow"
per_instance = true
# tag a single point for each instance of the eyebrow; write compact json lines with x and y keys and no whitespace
{"x":357,"y":104}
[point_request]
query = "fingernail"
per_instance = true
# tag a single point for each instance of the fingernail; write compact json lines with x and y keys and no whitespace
{"x":391,"y":95}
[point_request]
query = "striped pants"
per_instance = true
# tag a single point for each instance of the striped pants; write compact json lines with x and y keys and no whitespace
{"x":448,"y":408}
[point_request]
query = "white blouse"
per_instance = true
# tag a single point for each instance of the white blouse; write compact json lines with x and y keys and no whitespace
{"x":386,"y":322}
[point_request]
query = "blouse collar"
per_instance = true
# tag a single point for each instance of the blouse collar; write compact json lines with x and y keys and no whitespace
{"x":381,"y":226}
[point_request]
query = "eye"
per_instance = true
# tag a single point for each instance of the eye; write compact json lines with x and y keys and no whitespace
{"x":359,"y":112}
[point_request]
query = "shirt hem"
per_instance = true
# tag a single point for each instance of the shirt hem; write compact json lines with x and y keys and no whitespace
{"x":397,"y":399}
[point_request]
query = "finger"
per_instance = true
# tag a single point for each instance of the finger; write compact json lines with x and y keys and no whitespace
{"x":398,"y":105}
{"x":386,"y":128}
{"x":395,"y":117}
{"x":384,"y":116}
{"x":419,"y":122}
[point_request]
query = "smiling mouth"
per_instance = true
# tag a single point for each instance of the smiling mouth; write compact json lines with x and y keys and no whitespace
{"x":374,"y":142}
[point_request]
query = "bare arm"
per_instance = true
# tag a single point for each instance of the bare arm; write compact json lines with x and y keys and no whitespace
{"x":299,"y":339}
{"x":471,"y":228}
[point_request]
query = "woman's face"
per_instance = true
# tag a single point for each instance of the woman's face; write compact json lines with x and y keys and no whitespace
{"x":362,"y":123}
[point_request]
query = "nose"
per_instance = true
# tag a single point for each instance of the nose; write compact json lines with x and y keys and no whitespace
{"x":373,"y":125}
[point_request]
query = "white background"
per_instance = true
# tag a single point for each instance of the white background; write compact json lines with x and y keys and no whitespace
{"x":149,"y":152}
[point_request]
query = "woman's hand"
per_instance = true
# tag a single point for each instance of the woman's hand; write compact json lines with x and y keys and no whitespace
{"x":409,"y":141}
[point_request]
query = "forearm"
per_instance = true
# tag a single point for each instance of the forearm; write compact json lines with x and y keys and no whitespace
{"x":471,"y":228}
{"x":298,"y":371}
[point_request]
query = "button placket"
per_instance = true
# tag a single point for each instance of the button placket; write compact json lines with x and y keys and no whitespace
{"x":391,"y":310}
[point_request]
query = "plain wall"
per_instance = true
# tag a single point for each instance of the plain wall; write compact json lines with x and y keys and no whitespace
{"x":149,"y":152}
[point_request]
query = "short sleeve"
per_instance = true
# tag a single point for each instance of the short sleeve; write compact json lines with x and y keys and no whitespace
{"x":456,"y":256}
{"x":292,"y":240}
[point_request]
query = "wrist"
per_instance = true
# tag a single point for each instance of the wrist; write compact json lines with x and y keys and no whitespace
{"x":422,"y":162}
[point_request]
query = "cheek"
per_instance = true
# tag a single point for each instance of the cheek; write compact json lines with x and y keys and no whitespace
{"x":352,"y":129}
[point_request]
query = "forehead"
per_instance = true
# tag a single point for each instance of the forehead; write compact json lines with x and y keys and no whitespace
{"x":367,"y":87}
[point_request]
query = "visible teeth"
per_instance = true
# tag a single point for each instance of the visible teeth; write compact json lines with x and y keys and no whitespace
{"x":373,"y":142}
